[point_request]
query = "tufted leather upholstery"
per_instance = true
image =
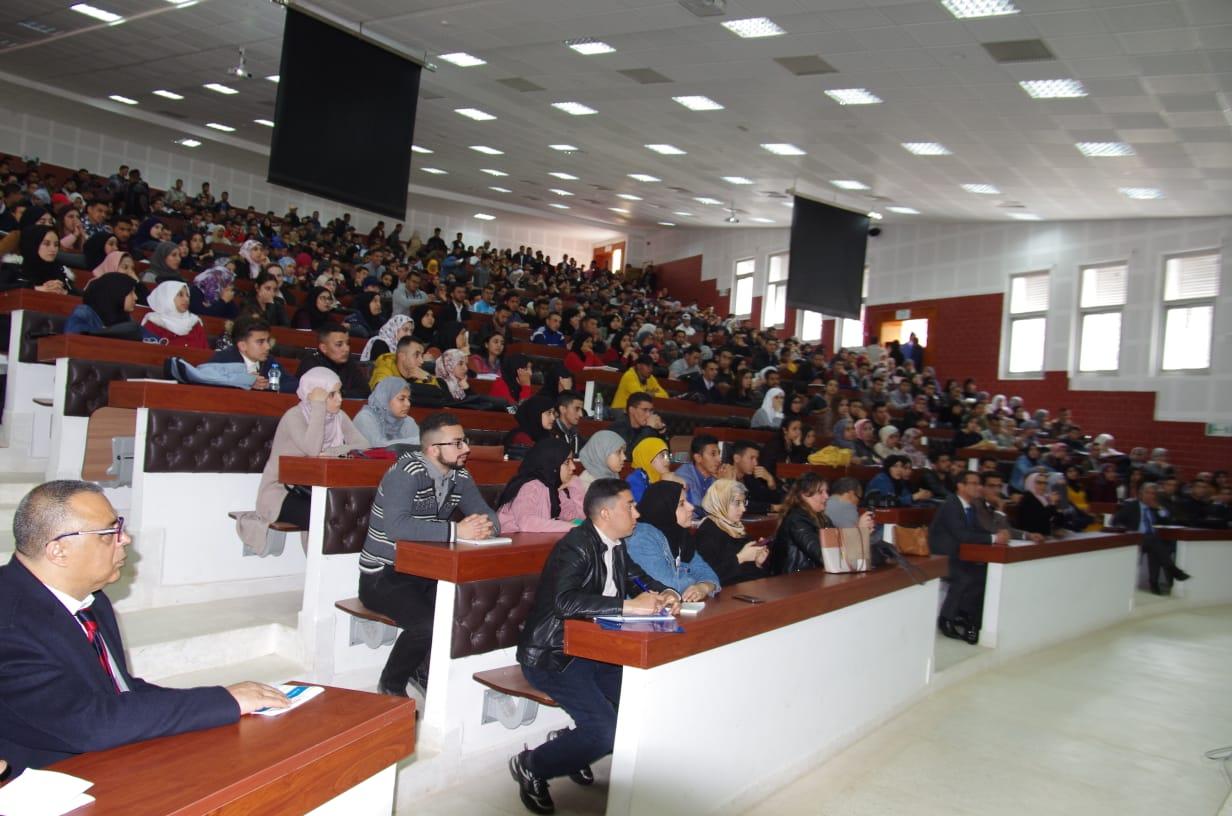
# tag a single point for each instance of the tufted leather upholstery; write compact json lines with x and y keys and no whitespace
{"x":36,"y":325}
{"x":346,"y":519}
{"x":187,"y":441}
{"x":88,"y":382}
{"x":488,"y":615}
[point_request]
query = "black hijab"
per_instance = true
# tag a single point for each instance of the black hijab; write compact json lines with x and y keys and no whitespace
{"x":551,"y":381}
{"x":363,"y":308}
{"x":542,"y":464}
{"x":422,"y":333}
{"x":35,"y":269}
{"x":658,"y":509}
{"x":509,"y":372}
{"x":529,"y":416}
{"x":316,"y":317}
{"x":31,"y":216}
{"x":106,"y":295}
{"x":447,"y":332}
{"x":95,"y":249}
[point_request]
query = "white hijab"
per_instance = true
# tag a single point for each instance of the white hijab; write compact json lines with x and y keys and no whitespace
{"x":767,"y":404}
{"x":163,"y":312}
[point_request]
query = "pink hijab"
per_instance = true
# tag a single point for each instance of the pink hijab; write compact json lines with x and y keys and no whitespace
{"x":321,"y":377}
{"x":110,"y":264}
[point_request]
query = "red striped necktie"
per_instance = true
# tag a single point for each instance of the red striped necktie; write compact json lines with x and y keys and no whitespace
{"x":90,"y":624}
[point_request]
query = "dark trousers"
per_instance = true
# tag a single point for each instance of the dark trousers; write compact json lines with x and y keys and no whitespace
{"x":965,"y":596}
{"x":1159,"y":559}
{"x":411,"y":602}
{"x":589,"y":692}
{"x":295,"y":510}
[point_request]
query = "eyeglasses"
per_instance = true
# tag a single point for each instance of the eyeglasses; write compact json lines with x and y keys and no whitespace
{"x":116,"y":530}
{"x":454,"y":443}
{"x":740,"y":502}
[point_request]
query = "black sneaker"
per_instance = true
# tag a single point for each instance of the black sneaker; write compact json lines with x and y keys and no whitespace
{"x":532,"y":789}
{"x":583,"y":776}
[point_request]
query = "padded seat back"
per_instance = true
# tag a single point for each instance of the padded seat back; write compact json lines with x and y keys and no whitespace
{"x":192,"y":442}
{"x":489,"y":615}
{"x":34,"y":326}
{"x":89,"y":382}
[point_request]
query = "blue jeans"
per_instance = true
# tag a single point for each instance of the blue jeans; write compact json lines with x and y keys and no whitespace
{"x":589,"y":692}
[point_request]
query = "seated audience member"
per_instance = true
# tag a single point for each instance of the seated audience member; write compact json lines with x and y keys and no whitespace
{"x":317,"y":426}
{"x":704,"y":385}
{"x":1037,"y":512}
{"x":911,"y":449}
{"x":514,"y":383}
{"x":65,"y":684}
{"x":770,"y":414}
{"x":39,"y":269}
{"x":404,"y":362}
{"x":569,"y":413}
{"x":542,"y":497}
{"x":212,"y":293}
{"x":414,"y":502}
{"x":317,"y":311}
{"x":1158,"y":467}
{"x":386,"y":419}
{"x":536,"y":418}
{"x":1076,"y":498}
{"x":662,"y":543}
{"x":1104,"y":487}
{"x":164,"y":264}
{"x":549,"y":334}
{"x":170,"y":323}
{"x":843,"y":505}
{"x":582,"y":355}
{"x":797,"y":542}
{"x":106,"y":308}
{"x":651,"y":463}
{"x":721,"y":538}
{"x":424,"y":318}
{"x":764,"y":494}
{"x":940,"y":478}
{"x":893,"y":482}
{"x":588,"y":573}
{"x":639,"y":422}
{"x":488,"y":363}
{"x":556,"y":378}
{"x":386,"y":338}
{"x":1030,"y":460}
{"x":700,"y":472}
{"x":955,"y":524}
{"x":367,"y":312}
{"x":787,"y":446}
{"x":970,"y":435}
{"x":602,"y":457}
{"x":252,"y":348}
{"x":687,"y":364}
{"x":865,"y":441}
{"x":990,"y":508}
{"x":888,"y":444}
{"x":451,"y":371}
{"x":1142,"y":515}
{"x":334,"y":352}
{"x":265,"y":302}
{"x":638,"y":379}
{"x":452,"y":335}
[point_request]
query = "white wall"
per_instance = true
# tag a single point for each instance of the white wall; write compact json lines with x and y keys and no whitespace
{"x":719,"y":248}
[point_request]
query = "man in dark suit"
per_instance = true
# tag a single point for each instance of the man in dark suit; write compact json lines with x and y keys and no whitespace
{"x":704,"y":385}
{"x":252,"y":348}
{"x":1141,"y":516}
{"x":990,"y":508}
{"x":957,"y":523}
{"x":64,"y":684}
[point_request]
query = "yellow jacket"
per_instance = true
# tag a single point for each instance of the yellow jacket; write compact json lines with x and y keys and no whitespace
{"x":385,"y":366}
{"x":630,"y":384}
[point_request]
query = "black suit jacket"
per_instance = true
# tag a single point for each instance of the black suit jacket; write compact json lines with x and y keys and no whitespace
{"x":1129,"y":516}
{"x":232,"y":355}
{"x":950,"y":528}
{"x":55,"y":698}
{"x":697,"y":385}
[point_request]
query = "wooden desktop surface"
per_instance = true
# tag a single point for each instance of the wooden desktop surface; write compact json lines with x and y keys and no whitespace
{"x":206,"y":398}
{"x":461,"y":563}
{"x":1049,"y":548}
{"x":335,"y":472}
{"x":110,"y":349}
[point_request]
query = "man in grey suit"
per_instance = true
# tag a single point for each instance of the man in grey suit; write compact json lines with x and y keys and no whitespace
{"x":957,"y":523}
{"x":1141,"y":516}
{"x":990,"y":508}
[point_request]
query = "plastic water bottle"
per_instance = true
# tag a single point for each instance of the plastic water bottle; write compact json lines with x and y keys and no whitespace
{"x":600,"y":410}
{"x":274,"y":376}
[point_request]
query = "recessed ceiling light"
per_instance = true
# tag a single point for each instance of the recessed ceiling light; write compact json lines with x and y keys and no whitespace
{"x":564,"y":176}
{"x":618,"y":210}
{"x":854,"y":96}
{"x":217,"y":126}
{"x":781,"y":149}
{"x":683,"y":214}
{"x":1104,"y":149}
{"x":927,"y":148}
{"x":493,"y":172}
{"x":1054,"y":88}
{"x":968,"y":9}
{"x":1142,"y":193}
{"x":188,"y":142}
{"x":981,"y":189}
{"x":560,"y":192}
{"x":873,"y":214}
{"x":436,"y":171}
{"x":763,"y":220}
{"x":698,"y":103}
{"x":463,"y":59}
{"x":751,"y":27}
{"x":265,"y":122}
{"x":574,"y":108}
{"x":737,"y":180}
{"x":218,"y":87}
{"x":665,"y":149}
{"x":501,"y":189}
{"x":123,"y":99}
{"x":628,"y":197}
{"x":904,"y":210}
{"x":96,"y":13}
{"x":485,"y":217}
{"x":33,"y":25}
{"x":474,"y":113}
{"x":168,"y":94}
{"x":559,"y":206}
{"x":273,"y":77}
{"x":487,"y":151}
{"x":707,"y":200}
{"x":565,"y":148}
{"x":589,"y":46}
{"x":849,"y":184}
{"x":417,"y":149}
{"x":666,"y":224}
{"x":644,"y":177}
{"x":1025,"y":217}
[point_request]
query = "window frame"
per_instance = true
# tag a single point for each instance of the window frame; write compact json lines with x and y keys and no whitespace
{"x":781,"y":285}
{"x":736,"y":278}
{"x":1010,"y":318}
{"x":1166,"y":306}
{"x":1083,"y":312}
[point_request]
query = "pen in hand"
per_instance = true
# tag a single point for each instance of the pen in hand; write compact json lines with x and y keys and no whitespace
{"x":640,"y":584}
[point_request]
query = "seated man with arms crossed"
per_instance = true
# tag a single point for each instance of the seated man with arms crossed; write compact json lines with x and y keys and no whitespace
{"x":639,"y":422}
{"x":334,"y":352}
{"x":65,"y":687}
{"x":588,"y":573}
{"x":414,"y":502}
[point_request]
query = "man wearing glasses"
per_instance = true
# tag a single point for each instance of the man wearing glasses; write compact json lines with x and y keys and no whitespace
{"x":415,"y":501}
{"x":65,"y":687}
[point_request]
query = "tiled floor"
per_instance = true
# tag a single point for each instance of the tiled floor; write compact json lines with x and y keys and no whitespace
{"x":1114,"y":723}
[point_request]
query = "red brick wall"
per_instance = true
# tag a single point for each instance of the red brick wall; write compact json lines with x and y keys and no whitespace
{"x":683,"y":280}
{"x":965,"y":341}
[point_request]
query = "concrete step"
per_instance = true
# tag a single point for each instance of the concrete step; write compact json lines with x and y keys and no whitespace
{"x":15,"y":485}
{"x":267,"y":668}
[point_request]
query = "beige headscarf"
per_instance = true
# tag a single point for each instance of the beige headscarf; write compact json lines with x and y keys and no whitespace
{"x":717,"y":504}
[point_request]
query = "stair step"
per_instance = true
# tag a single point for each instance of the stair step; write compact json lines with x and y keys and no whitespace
{"x":266,"y":668}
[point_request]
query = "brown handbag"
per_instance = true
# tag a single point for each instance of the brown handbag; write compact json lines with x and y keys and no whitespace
{"x":911,"y":540}
{"x":845,"y":549}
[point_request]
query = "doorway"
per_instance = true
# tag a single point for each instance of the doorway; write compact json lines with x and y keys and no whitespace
{"x":901,"y":330}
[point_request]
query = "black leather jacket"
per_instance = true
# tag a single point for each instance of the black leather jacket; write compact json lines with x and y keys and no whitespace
{"x":571,"y":586}
{"x":797,"y":544}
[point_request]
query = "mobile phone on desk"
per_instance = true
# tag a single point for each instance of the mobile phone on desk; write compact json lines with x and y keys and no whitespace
{"x":749,"y":599}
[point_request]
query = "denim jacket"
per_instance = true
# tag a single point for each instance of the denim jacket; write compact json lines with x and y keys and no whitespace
{"x":648,"y":547}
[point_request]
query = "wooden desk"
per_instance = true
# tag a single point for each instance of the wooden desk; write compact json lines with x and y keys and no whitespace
{"x":1049,"y":548}
{"x":334,"y":472}
{"x":1207,"y":556}
{"x":728,"y":434}
{"x":306,"y":338}
{"x":339,"y":748}
{"x":537,"y":350}
{"x":63,"y":305}
{"x":207,"y":398}
{"x":462,"y":563}
{"x":906,"y":516}
{"x":1000,"y":454}
{"x":612,"y":378}
{"x":85,"y":347}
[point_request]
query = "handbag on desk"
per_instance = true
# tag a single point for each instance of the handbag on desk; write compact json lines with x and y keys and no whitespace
{"x":845,"y":549}
{"x":911,"y":540}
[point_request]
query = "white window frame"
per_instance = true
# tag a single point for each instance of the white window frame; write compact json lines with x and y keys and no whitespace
{"x":737,"y":277}
{"x":1012,"y":318}
{"x":1086,"y":311}
{"x":780,"y":286}
{"x":801,"y":319}
{"x":1166,"y":306}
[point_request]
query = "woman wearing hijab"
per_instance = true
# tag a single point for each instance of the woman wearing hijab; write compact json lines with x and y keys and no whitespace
{"x":542,"y":498}
{"x":425,"y":323}
{"x":115,"y":262}
{"x":911,"y":449}
{"x":164,"y":263}
{"x":368,"y":313}
{"x":451,"y":334}
{"x":107,"y":303}
{"x":602,"y":457}
{"x":39,"y":269}
{"x":892,"y":481}
{"x":317,"y":311}
{"x":865,"y":441}
{"x":770,"y":414}
{"x":386,"y":419}
{"x":213,"y":293}
{"x":489,"y":360}
{"x":555,"y":379}
{"x":662,"y":543}
{"x":316,"y":426}
{"x":1037,"y":511}
{"x":253,"y":252}
{"x":144,"y":237}
{"x":582,"y":355}
{"x":1027,"y":462}
{"x":1076,"y":508}
{"x":651,"y":464}
{"x":514,"y":382}
{"x":98,"y":247}
{"x":386,"y":338}
{"x":535,"y":419}
{"x":888,"y":444}
{"x":797,"y":542}
{"x":721,"y":538}
{"x":451,"y":371}
{"x":170,"y":322}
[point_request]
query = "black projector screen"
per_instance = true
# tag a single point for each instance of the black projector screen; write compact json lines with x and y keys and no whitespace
{"x":826,"y":266}
{"x":345,"y":118}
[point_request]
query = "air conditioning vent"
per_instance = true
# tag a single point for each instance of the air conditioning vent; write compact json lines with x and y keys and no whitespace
{"x":705,"y":8}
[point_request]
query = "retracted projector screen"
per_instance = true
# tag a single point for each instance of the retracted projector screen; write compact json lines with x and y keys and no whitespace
{"x":344,"y":121}
{"x":826,"y":266}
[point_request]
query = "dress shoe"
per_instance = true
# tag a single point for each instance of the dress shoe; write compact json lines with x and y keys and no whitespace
{"x":1179,"y":574}
{"x":949,"y":629}
{"x":972,"y":635}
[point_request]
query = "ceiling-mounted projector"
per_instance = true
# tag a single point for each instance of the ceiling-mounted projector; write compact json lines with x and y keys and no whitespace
{"x":705,"y":8}
{"x":241,"y":70}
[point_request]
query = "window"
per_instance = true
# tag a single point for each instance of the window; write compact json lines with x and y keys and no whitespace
{"x":1100,"y":301}
{"x":1191,"y":284}
{"x":851,"y":332}
{"x":1028,"y":319}
{"x":810,"y":326}
{"x":742,"y":292}
{"x":776,"y":291}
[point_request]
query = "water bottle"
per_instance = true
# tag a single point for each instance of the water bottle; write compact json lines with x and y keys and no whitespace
{"x":274,"y":376}
{"x":600,"y":410}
